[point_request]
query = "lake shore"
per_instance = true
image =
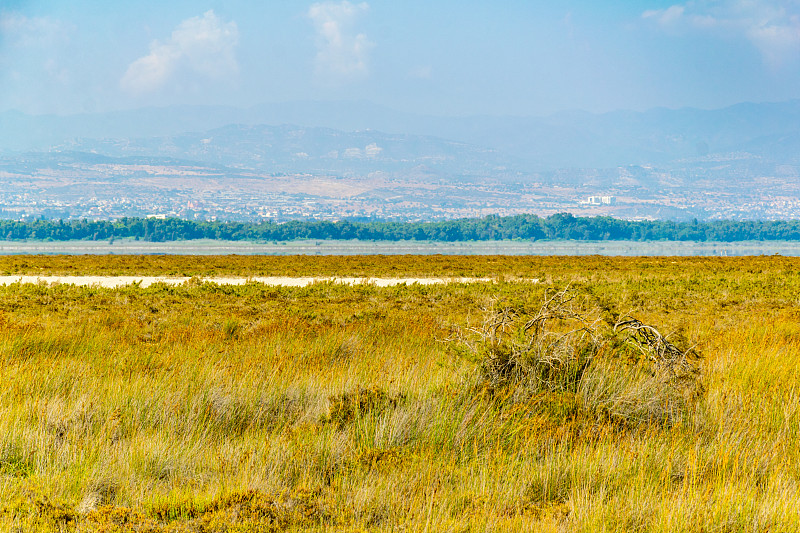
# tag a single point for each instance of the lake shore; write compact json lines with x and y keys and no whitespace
{"x":355,"y":247}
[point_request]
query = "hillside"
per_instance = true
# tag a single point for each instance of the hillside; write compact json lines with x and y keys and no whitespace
{"x":335,"y":160}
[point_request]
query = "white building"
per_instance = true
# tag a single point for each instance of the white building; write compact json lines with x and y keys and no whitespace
{"x":599,"y":200}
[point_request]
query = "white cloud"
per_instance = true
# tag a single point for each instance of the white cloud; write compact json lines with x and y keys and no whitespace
{"x":199,"y":47}
{"x":777,"y":43}
{"x":772,"y":26}
{"x":33,"y":50}
{"x":21,"y":31}
{"x":665,"y":16}
{"x":342,"y":53}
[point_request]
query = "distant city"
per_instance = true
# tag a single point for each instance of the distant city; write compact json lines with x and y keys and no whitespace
{"x":738,"y":163}
{"x":74,"y":190}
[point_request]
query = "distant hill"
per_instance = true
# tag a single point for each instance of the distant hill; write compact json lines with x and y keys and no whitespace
{"x":297,"y":149}
{"x":314,"y":160}
{"x":563,"y":140}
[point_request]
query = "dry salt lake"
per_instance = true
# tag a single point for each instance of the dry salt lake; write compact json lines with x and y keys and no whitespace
{"x":146,"y":281}
{"x":311,"y":247}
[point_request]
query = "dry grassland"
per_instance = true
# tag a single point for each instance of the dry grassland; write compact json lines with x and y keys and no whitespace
{"x":461,"y":407}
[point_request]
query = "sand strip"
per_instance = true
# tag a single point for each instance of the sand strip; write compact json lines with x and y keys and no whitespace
{"x":146,"y":281}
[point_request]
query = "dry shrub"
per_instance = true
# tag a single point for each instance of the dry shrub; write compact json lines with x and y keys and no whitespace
{"x":38,"y":512}
{"x":253,"y":511}
{"x":250,"y":510}
{"x":548,"y":351}
{"x":111,"y":518}
{"x":379,"y":458}
{"x":625,"y":371}
{"x":645,"y":377}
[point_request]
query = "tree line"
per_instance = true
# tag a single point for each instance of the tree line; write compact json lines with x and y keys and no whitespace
{"x":520,"y":227}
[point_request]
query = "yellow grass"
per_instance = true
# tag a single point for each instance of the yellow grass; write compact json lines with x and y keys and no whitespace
{"x":335,"y":408}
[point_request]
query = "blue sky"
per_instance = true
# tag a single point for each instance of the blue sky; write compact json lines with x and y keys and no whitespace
{"x":450,"y":58}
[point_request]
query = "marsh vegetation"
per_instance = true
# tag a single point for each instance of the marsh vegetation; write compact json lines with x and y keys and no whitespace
{"x":615,"y":395}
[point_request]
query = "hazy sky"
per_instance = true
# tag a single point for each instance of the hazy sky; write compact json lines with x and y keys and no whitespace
{"x":524,"y":57}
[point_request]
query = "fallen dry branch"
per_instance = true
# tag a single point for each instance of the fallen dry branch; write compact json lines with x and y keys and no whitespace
{"x":629,"y":371}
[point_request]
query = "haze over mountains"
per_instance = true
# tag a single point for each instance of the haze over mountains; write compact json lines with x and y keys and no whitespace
{"x":347,"y":159}
{"x":561,"y":140}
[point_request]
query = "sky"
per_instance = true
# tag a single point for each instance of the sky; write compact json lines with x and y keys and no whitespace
{"x":446,"y":57}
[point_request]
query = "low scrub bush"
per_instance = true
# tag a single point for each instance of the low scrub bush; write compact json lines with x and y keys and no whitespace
{"x":621,"y":369}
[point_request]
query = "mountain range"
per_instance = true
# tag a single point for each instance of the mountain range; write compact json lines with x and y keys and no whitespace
{"x":563,"y":140}
{"x":739,"y":161}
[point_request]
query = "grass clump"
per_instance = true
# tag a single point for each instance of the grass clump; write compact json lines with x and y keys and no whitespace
{"x":347,"y":407}
{"x":100,"y":492}
{"x":16,"y":461}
